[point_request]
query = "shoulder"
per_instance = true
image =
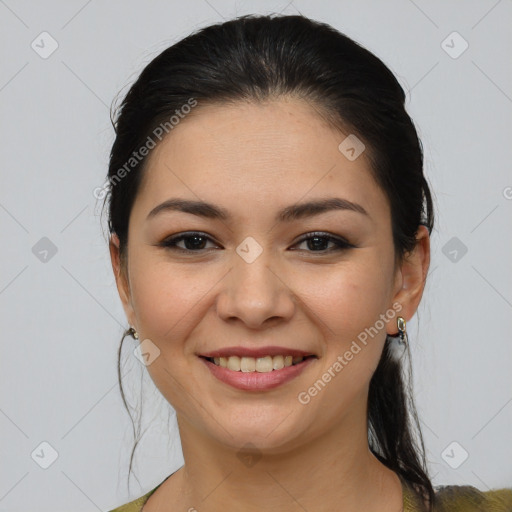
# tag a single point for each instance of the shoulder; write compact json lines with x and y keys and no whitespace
{"x":460,"y":498}
{"x":465,"y":498}
{"x":449,"y":498}
{"x":135,"y":505}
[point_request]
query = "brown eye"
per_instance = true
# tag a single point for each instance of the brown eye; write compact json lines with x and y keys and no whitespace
{"x":196,"y":242}
{"x":317,"y":242}
{"x":193,"y":242}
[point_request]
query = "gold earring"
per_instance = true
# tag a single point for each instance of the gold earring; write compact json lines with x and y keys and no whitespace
{"x":133,"y":333}
{"x":402,"y":332}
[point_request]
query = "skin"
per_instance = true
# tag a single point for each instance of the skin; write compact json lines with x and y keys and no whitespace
{"x":253,"y":160}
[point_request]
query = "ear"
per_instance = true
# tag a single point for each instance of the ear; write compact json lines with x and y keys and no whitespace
{"x":410,"y":278}
{"x":122,"y":281}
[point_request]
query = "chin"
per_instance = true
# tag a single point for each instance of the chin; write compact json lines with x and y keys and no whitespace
{"x":266,"y":433}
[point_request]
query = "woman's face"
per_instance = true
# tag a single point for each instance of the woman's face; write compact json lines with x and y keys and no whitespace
{"x":250,"y":282}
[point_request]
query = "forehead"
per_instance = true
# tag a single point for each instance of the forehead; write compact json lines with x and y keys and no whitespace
{"x":253,"y":155}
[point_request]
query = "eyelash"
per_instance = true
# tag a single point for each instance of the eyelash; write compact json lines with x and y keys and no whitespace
{"x":170,"y":243}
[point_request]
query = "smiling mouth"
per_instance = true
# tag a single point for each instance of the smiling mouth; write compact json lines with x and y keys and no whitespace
{"x":264,"y":364}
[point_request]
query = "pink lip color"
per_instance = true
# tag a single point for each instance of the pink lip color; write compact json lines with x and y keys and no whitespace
{"x":256,"y":352}
{"x":256,"y":381}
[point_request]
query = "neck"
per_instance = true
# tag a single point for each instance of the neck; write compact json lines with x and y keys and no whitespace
{"x":334,"y":471}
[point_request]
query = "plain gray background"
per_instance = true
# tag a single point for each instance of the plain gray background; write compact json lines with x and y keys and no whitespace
{"x":62,"y":318}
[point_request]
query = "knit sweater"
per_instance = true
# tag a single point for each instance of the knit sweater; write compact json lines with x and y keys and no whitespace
{"x":451,"y":498}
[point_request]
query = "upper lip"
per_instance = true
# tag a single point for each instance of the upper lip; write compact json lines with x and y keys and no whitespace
{"x":256,"y":352}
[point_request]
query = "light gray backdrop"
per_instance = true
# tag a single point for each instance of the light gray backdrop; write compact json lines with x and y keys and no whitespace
{"x":62,"y":65}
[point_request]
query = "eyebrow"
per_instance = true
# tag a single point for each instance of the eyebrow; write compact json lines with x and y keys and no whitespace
{"x":288,"y":214}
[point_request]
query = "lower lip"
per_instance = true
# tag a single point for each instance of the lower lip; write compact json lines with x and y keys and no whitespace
{"x":256,"y":381}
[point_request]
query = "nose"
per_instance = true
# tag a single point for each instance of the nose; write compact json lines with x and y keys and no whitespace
{"x":256,"y":294}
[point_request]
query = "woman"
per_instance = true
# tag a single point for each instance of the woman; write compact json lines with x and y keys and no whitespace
{"x":270,"y":225}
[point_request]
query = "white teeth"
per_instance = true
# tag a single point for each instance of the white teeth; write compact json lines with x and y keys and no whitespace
{"x":234,"y":363}
{"x":264,"y":364}
{"x":278,"y":362}
{"x":248,"y":364}
{"x":261,"y":364}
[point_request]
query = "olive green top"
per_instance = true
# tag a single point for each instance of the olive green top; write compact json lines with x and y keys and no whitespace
{"x":451,"y":498}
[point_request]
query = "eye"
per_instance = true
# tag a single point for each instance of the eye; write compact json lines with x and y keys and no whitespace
{"x":196,"y":241}
{"x":318,"y":240}
{"x":193,"y":241}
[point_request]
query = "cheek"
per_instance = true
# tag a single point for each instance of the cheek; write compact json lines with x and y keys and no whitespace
{"x":348,"y":303}
{"x":169,"y":303}
{"x":346,"y":308}
{"x":346,"y":300}
{"x":167,"y":300}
